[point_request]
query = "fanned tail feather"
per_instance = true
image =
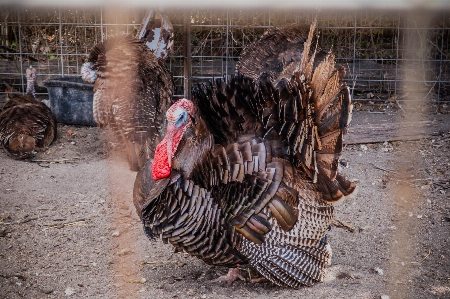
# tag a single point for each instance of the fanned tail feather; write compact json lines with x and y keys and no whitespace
{"x":286,"y":265}
{"x":327,"y":109}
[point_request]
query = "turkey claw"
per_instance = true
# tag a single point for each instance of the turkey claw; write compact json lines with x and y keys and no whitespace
{"x":232,"y":275}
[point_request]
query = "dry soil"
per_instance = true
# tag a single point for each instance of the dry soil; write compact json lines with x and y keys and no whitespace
{"x":68,"y":227}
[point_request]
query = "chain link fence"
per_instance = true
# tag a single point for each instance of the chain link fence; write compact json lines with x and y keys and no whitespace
{"x":381,"y":50}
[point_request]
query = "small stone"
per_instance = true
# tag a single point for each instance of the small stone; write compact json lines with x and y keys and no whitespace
{"x":385,"y":297}
{"x":344,"y":275}
{"x":124,"y":251}
{"x":387,"y":147}
{"x":73,"y":143}
{"x":47,"y":290}
{"x":142,"y":280}
{"x":367,"y":227}
{"x":344,"y":163}
{"x":69,"y":291}
{"x":115,"y":234}
{"x":5,"y":216}
{"x":419,"y":216}
{"x":379,"y":271}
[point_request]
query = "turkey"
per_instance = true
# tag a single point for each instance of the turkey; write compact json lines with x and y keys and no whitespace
{"x":278,"y":52}
{"x":157,"y":32}
{"x":26,"y":125}
{"x":247,"y":172}
{"x":132,"y":90}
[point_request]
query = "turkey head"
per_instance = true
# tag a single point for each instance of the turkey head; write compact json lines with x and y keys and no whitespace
{"x":185,"y":132}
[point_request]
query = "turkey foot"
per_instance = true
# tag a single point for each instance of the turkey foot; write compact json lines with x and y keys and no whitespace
{"x":259,"y":279}
{"x":233,"y":273}
{"x":256,"y":279}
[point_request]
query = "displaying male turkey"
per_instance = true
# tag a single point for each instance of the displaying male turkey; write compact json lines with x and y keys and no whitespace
{"x":132,"y":90}
{"x":248,"y":172}
{"x":26,"y":125}
{"x":278,"y":52}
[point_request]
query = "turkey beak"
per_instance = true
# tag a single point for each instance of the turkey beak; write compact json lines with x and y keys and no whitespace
{"x":171,"y":128}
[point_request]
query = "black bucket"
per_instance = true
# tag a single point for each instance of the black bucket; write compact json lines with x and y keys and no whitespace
{"x":71,"y":100}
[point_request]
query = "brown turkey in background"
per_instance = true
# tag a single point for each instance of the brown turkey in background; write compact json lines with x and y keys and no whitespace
{"x":26,"y":125}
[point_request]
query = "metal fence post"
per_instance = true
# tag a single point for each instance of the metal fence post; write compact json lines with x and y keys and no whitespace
{"x":187,"y":56}
{"x":20,"y":52}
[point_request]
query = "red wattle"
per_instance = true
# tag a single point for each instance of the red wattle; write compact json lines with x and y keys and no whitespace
{"x":160,"y":166}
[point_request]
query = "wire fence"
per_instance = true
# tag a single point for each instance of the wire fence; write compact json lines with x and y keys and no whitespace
{"x":379,"y":49}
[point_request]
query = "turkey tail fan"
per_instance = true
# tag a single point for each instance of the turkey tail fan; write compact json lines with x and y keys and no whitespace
{"x":310,"y":116}
{"x":278,"y":49}
{"x":217,"y":103}
{"x":291,"y":266}
{"x":311,"y":113}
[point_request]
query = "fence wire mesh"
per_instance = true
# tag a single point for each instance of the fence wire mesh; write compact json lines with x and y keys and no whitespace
{"x":379,"y":49}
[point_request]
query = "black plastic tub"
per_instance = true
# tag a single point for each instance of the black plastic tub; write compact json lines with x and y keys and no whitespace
{"x":71,"y":100}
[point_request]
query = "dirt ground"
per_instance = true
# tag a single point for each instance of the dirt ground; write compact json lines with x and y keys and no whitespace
{"x":68,"y":227}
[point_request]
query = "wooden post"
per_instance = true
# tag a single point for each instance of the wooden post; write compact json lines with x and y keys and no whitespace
{"x":187,"y":56}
